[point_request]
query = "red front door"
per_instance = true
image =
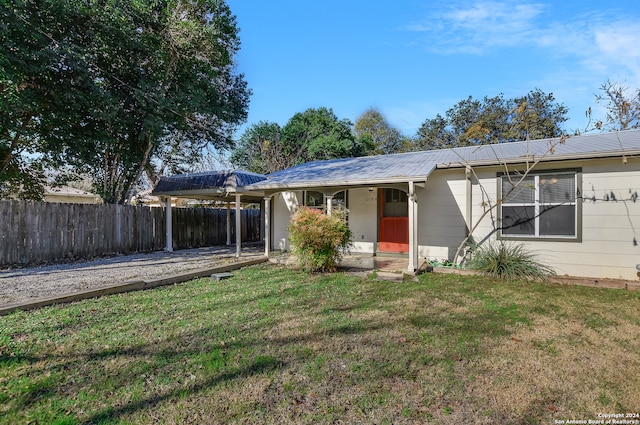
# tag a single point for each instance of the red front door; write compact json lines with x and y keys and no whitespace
{"x":394,"y":221}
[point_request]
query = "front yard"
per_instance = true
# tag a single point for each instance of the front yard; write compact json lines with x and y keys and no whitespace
{"x":272,"y":345}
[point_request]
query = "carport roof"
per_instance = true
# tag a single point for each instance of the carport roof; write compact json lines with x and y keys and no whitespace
{"x":417,"y":166}
{"x":208,"y":185}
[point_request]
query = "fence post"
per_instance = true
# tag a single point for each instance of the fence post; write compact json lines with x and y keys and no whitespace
{"x":228,"y":223}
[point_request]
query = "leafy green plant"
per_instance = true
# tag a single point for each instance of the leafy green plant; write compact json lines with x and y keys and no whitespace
{"x":508,"y":261}
{"x":318,"y":240}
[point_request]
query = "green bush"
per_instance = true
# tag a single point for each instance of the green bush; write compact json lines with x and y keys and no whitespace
{"x":318,"y":240}
{"x":508,"y":261}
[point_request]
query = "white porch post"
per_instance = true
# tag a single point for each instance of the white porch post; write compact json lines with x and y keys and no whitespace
{"x":329,"y":204}
{"x":413,"y":228}
{"x":267,"y":229}
{"x":228,"y":223}
{"x":169,"y":229}
{"x":238,"y":226}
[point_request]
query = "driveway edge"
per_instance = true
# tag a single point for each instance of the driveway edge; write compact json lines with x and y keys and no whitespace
{"x":132,"y":285}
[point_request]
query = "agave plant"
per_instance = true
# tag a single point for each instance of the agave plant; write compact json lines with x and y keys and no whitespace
{"x":508,"y":261}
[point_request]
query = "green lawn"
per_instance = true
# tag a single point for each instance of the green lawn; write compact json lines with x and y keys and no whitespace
{"x":273,"y":345}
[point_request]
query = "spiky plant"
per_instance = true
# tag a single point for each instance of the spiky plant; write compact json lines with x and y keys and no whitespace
{"x":508,"y":261}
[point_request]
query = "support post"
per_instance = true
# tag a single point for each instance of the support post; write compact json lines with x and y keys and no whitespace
{"x":169,"y":227}
{"x":413,"y":228}
{"x":228,"y":223}
{"x":238,"y":227}
{"x":329,"y":199}
{"x":267,"y":228}
{"x":468,"y":176}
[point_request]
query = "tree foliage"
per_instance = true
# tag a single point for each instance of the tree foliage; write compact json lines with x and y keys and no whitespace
{"x":622,"y":105}
{"x":315,"y":134}
{"x":260,"y":149}
{"x":493,"y":120}
{"x":117,"y":89}
{"x":374,"y":132}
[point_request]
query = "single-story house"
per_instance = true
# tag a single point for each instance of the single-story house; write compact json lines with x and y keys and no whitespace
{"x":70,"y":195}
{"x":573,"y":201}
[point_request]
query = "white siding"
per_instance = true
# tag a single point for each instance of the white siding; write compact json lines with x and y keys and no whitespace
{"x":284,"y":205}
{"x":441,"y":214}
{"x":363,"y":216}
{"x":607,"y":248}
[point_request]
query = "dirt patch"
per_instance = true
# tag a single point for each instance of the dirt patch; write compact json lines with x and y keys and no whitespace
{"x":28,"y":284}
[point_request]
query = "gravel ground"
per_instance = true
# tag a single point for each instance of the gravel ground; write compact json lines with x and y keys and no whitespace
{"x":25,"y":284}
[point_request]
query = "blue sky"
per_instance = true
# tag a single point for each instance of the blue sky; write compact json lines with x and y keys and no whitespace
{"x":415,"y":59}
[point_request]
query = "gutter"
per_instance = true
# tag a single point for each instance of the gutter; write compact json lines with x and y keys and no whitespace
{"x":338,"y":183}
{"x":532,"y":158}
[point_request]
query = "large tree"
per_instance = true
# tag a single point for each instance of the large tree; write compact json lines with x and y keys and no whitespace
{"x":493,"y":120}
{"x":373,"y":131}
{"x":315,"y":134}
{"x":260,"y":149}
{"x":44,"y":87}
{"x":154,"y":83}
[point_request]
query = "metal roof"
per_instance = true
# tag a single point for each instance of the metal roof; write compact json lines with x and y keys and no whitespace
{"x":417,"y":166}
{"x":212,"y":184}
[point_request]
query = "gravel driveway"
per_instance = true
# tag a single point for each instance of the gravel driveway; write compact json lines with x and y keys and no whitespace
{"x":21,"y":285}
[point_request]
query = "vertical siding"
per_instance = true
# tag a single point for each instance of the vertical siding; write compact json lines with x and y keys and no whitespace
{"x":37,"y":232}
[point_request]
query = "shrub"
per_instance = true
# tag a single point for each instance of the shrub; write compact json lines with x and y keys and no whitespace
{"x":508,"y":261}
{"x":318,"y":240}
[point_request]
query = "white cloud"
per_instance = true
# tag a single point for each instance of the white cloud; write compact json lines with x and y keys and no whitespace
{"x":602,"y":43}
{"x":618,"y":48}
{"x":477,"y":28}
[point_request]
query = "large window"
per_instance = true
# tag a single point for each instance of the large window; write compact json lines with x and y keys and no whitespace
{"x":540,"y":205}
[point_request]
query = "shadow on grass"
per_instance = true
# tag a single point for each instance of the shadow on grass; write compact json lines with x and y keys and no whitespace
{"x":164,"y":359}
{"x":260,"y":365}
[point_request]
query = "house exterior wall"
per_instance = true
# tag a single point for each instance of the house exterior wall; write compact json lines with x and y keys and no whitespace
{"x":609,"y":228}
{"x":284,"y":205}
{"x":363,"y":216}
{"x":606,"y":249}
{"x":441,"y":214}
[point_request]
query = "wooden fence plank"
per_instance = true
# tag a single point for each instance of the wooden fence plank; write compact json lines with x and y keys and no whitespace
{"x":39,"y":232}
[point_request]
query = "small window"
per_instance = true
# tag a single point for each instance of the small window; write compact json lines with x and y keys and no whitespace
{"x":313,"y":199}
{"x":395,"y":203}
{"x":540,"y":205}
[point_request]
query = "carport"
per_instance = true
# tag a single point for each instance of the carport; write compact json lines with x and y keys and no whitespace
{"x":227,"y":186}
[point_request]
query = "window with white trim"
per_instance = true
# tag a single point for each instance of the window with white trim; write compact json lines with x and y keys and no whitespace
{"x":318,"y":200}
{"x":541,"y":205}
{"x":313,"y":199}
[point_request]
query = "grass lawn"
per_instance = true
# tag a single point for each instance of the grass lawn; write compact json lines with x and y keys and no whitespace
{"x":273,"y":345}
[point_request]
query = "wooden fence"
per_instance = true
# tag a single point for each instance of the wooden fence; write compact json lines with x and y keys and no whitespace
{"x":40,"y":232}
